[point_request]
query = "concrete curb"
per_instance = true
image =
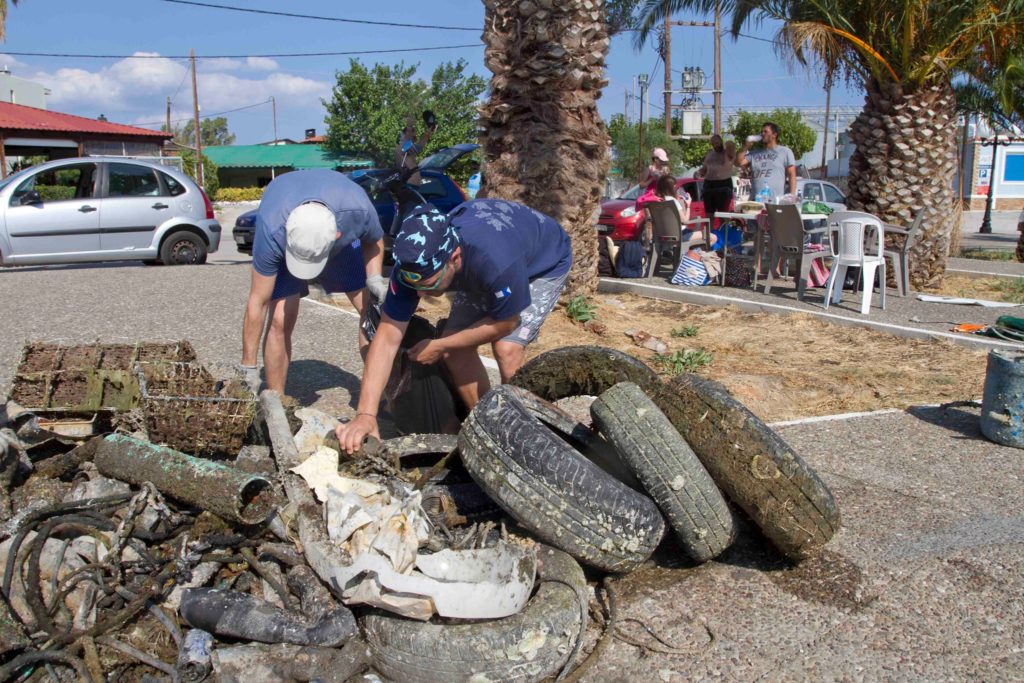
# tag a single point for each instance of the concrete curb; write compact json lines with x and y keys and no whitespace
{"x":616,"y":286}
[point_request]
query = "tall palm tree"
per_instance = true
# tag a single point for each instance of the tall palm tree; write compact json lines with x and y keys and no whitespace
{"x":544,"y":142}
{"x":3,"y":17}
{"x":904,"y":54}
{"x":996,"y":92}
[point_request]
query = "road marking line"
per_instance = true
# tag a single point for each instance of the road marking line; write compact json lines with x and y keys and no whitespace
{"x":489,"y":363}
{"x":850,"y":416}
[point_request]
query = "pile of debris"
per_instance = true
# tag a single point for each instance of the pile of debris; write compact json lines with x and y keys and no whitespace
{"x":201,"y":533}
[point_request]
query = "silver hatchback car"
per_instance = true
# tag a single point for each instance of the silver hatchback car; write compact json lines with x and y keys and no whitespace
{"x":104,"y":209}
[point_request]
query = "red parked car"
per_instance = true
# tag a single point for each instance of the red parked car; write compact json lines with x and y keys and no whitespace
{"x":621,"y":220}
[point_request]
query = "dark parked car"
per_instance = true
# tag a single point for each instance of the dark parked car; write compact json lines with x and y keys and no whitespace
{"x":621,"y":220}
{"x":436,"y":187}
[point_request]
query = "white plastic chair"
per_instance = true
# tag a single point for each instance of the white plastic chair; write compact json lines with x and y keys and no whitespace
{"x":851,"y":228}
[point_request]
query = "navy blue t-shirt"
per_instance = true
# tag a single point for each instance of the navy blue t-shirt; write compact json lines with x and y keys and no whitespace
{"x":353,"y":210}
{"x":505,"y":245}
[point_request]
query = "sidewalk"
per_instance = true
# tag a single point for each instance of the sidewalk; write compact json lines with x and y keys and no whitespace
{"x":1004,"y":230}
{"x":905,"y":317}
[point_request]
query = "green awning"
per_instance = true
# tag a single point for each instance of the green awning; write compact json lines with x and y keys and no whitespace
{"x":281,"y":156}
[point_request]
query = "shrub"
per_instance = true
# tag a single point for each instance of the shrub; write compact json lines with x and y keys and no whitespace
{"x":679,"y":362}
{"x":239,"y":194}
{"x":51,"y":193}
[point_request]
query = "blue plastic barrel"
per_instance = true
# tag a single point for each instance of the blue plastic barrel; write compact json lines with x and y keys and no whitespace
{"x":1002,"y":406}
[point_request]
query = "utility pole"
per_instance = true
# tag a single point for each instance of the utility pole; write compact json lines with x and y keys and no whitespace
{"x":824,"y":142}
{"x":273,"y":109}
{"x":195,"y":113}
{"x":169,"y":115}
{"x":642,"y":78}
{"x":625,"y":108}
{"x":718,"y":69}
{"x":666,"y":55}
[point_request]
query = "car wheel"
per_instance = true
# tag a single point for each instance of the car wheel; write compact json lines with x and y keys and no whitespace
{"x":183,"y":248}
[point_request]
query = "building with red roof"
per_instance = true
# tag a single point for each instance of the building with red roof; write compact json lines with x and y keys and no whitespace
{"x":29,"y":131}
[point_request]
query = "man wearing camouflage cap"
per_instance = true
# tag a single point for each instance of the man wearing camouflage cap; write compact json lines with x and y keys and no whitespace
{"x":506,"y":265}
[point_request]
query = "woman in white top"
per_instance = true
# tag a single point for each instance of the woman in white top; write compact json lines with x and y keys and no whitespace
{"x":665,"y":189}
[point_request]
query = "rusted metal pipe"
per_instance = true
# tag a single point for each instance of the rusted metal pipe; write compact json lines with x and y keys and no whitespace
{"x":225,"y":491}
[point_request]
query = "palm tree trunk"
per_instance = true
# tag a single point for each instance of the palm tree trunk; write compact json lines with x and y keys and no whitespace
{"x":544,"y":142}
{"x":904,"y":163}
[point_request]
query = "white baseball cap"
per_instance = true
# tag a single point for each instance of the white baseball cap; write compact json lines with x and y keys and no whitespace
{"x":310,"y":233}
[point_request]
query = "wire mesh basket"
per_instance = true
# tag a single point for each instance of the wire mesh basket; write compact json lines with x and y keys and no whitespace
{"x":188,"y":410}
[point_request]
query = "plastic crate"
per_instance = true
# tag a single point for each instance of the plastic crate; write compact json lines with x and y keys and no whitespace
{"x":184,"y":408}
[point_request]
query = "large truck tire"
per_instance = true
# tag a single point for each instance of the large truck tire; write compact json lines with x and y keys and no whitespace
{"x":668,"y":469}
{"x":752,"y":465}
{"x":531,"y":645}
{"x":553,"y":490}
{"x":582,"y":371}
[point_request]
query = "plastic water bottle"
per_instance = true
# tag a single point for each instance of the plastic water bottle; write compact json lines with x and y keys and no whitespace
{"x":764,"y":195}
{"x":473,"y":186}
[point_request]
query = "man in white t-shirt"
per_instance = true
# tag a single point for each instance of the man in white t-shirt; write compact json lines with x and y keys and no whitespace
{"x":772,"y":166}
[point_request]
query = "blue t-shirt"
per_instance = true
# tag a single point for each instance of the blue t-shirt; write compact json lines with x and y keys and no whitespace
{"x":505,"y":245}
{"x":353,"y":210}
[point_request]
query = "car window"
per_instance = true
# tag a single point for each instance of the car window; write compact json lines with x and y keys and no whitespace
{"x":832,"y":194}
{"x":692,"y":189}
{"x":432,"y":188}
{"x":812,"y":192}
{"x":174,"y":188}
{"x":62,"y":183}
{"x":631,"y":193}
{"x":128,"y":180}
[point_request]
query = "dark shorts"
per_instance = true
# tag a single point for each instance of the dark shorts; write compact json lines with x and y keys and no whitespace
{"x":344,"y":272}
{"x":717,"y":195}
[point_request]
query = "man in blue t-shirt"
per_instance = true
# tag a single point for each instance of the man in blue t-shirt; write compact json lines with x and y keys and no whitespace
{"x":311,"y":224}
{"x":506,"y":265}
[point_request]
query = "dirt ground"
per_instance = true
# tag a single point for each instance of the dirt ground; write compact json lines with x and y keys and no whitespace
{"x":994,"y":289}
{"x":781,"y":367}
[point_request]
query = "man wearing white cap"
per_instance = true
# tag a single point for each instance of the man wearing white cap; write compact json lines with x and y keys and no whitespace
{"x":311,"y":224}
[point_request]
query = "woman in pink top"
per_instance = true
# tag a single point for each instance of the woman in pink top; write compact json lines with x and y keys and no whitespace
{"x":658,"y":167}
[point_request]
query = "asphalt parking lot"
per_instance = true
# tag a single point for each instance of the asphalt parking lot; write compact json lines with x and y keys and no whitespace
{"x":923,"y":582}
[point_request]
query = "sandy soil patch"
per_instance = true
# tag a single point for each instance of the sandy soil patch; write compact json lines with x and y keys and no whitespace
{"x":781,"y":366}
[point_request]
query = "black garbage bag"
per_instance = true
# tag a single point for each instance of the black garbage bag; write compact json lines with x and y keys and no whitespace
{"x":421,"y":398}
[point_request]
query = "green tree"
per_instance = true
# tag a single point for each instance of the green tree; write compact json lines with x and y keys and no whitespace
{"x":212,"y":132}
{"x":211,"y":183}
{"x":904,"y":53}
{"x":793,"y":132}
{"x":367,"y":110}
{"x":629,"y":158}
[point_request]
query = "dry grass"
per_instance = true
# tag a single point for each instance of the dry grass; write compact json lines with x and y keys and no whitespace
{"x":993,"y":289}
{"x":781,"y":366}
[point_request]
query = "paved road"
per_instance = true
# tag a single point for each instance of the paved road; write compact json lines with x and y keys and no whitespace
{"x":1004,"y":230}
{"x":923,"y":582}
{"x":204,"y":304}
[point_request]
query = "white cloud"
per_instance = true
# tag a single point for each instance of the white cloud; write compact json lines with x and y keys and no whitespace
{"x":261,"y":63}
{"x":12,"y":63}
{"x":134,"y":91}
{"x":219,"y":64}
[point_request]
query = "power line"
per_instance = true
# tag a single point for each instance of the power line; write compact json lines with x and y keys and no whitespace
{"x":320,"y":18}
{"x":268,"y":56}
{"x":208,"y":116}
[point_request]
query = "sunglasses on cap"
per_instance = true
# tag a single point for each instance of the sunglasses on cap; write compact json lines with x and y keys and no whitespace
{"x":413,"y":280}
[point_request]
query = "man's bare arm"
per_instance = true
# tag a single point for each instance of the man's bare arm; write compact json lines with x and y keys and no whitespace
{"x":260,"y":291}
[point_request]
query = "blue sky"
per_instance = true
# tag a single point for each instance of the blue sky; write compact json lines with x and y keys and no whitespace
{"x":134,"y":91}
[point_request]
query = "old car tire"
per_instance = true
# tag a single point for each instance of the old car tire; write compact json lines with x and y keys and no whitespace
{"x":580,"y":436}
{"x":752,"y":465}
{"x":582,"y":371}
{"x":530,"y":645}
{"x":552,"y":490}
{"x":668,"y":469}
{"x":183,"y":248}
